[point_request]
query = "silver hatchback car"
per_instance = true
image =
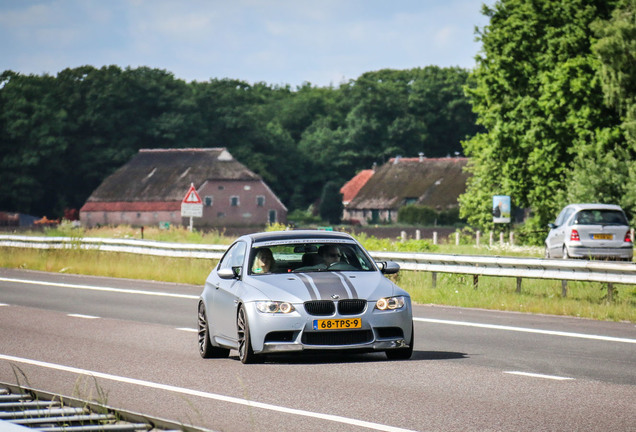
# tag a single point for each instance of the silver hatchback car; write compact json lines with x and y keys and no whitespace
{"x":598,"y":231}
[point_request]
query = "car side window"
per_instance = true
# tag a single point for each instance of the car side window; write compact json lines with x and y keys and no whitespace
{"x":234,"y":256}
{"x":567,"y":215}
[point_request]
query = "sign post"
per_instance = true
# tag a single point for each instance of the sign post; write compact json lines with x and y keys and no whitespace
{"x":192,"y":206}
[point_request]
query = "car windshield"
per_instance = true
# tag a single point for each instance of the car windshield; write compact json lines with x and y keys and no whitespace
{"x":308,"y":257}
{"x":600,"y":217}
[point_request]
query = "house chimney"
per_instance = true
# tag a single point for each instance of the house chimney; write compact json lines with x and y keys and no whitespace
{"x":422,"y":157}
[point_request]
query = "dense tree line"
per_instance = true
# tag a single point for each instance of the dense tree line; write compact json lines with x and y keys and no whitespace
{"x":555,"y":90}
{"x":60,"y":136}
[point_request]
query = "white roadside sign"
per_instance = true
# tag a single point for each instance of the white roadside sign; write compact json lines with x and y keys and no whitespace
{"x":192,"y":206}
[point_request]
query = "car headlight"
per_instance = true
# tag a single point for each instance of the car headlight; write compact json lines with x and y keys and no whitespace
{"x":274,"y":307}
{"x":390,"y":303}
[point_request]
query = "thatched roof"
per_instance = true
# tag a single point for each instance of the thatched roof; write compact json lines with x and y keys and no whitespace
{"x":166,"y":174}
{"x":434,"y":182}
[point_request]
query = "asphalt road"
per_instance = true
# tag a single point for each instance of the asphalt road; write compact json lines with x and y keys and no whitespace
{"x":132,"y":345}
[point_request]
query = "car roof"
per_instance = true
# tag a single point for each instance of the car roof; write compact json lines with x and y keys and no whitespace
{"x":297,"y":235}
{"x":595,"y":206}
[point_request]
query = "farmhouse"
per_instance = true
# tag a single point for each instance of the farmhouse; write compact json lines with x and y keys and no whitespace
{"x":149,"y":189}
{"x":432,"y":182}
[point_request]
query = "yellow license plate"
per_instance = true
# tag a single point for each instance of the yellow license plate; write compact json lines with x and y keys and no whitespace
{"x":337,"y":324}
{"x":602,"y":236}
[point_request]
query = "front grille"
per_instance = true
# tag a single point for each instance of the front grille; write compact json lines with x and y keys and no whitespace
{"x":339,"y":337}
{"x":351,"y":307}
{"x":320,"y":307}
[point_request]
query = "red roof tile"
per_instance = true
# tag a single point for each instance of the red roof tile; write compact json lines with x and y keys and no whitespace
{"x":353,"y":186}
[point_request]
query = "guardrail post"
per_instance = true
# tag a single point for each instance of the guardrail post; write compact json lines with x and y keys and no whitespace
{"x":418,"y":235}
{"x":457,"y":239}
{"x":610,"y":292}
{"x":501,"y":238}
{"x":512,"y":238}
{"x":434,"y":279}
{"x":518,"y":285}
{"x":631,"y":233}
{"x":477,"y":235}
{"x":403,"y":236}
{"x":492,"y":237}
{"x":435,"y":237}
{"x":475,"y":281}
{"x":564,"y":288}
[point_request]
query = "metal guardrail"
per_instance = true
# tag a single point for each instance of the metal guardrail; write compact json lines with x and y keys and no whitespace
{"x":533,"y":268}
{"x":144,"y":247}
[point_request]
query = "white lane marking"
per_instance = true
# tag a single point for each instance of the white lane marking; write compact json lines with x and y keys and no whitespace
{"x":197,"y":393}
{"x":527,"y":330}
{"x":185,"y":329}
{"x":82,"y":316}
{"x":535,"y":375}
{"x":97,"y":288}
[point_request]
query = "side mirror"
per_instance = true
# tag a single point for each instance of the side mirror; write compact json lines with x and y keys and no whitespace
{"x":551,"y":226}
{"x":229,"y":273}
{"x":388,"y":267}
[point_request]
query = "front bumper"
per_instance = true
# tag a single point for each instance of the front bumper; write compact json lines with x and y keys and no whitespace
{"x":380,"y":331}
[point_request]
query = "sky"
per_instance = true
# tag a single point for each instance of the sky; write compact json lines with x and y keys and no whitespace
{"x":279,"y":42}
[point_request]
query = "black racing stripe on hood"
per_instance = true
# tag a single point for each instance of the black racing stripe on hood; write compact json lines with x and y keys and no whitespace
{"x":354,"y":293}
{"x":305,"y":280}
{"x":328,"y":284}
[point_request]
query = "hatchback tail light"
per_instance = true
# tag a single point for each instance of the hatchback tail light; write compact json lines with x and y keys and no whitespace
{"x":628,"y":237}
{"x":574,"y":236}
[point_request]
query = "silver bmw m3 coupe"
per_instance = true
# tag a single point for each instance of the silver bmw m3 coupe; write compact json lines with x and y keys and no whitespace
{"x":279,"y":292}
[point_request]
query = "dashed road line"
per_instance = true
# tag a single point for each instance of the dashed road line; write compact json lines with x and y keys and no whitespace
{"x":536,"y":375}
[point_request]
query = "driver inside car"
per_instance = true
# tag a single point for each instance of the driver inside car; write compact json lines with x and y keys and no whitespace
{"x":330,"y":254}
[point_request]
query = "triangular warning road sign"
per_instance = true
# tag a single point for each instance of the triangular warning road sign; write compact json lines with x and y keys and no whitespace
{"x":192,"y":197}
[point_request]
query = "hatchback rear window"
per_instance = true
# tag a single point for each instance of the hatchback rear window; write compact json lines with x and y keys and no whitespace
{"x":600,"y":217}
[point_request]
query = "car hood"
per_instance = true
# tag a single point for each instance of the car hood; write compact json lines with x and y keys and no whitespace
{"x":302,"y":287}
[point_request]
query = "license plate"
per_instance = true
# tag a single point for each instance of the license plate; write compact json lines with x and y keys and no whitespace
{"x":337,"y":324}
{"x":602,"y":236}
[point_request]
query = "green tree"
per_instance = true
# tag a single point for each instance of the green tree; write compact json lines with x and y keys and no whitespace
{"x":331,"y":203}
{"x":537,"y":93}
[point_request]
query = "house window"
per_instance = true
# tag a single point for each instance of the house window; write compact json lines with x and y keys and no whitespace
{"x":221,"y":187}
{"x":247,"y":187}
{"x":220,"y":215}
{"x":247,"y":215}
{"x":138,"y":215}
{"x":260,"y":200}
{"x":208,"y":200}
{"x":272,"y":216}
{"x":234,"y":201}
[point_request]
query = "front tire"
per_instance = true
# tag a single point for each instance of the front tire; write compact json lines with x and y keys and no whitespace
{"x":246,"y":354}
{"x":402,"y":353}
{"x":206,"y":349}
